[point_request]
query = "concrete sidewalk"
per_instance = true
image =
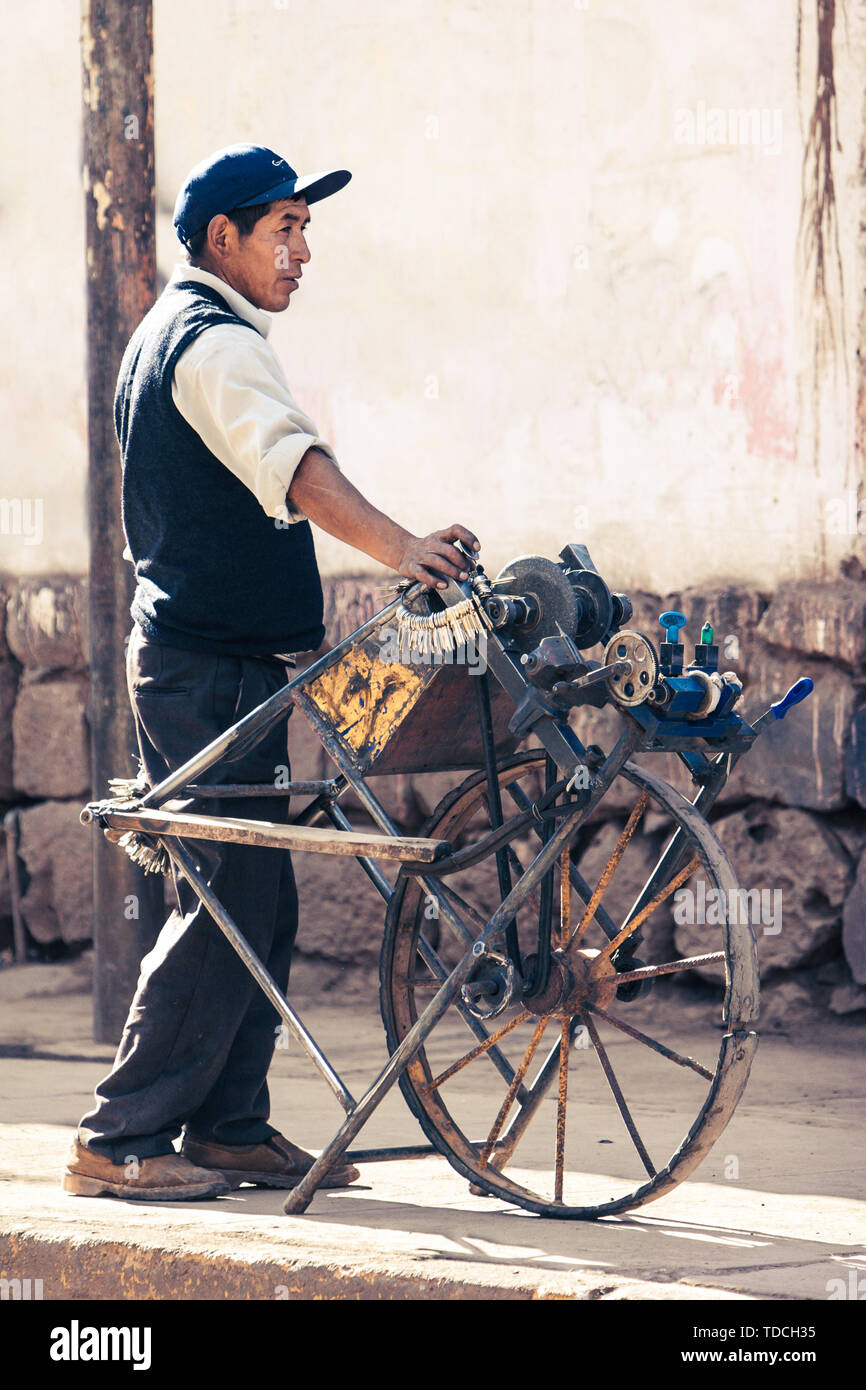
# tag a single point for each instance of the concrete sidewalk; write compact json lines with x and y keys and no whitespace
{"x":790,"y":1224}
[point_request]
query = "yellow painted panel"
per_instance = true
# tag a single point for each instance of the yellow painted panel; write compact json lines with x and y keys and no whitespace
{"x":365,"y":698}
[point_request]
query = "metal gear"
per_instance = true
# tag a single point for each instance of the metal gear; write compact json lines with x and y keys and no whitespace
{"x":634,"y":686}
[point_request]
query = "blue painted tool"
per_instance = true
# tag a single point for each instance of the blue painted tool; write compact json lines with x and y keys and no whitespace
{"x":799,"y":690}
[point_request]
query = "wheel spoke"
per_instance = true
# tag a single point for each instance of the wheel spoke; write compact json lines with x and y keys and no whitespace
{"x":522,"y":1069}
{"x":477,"y":1051}
{"x":618,"y":1095}
{"x":652,"y":1042}
{"x":560,"y":1107}
{"x":602,"y":917}
{"x":648,"y":972}
{"x":564,"y":898}
{"x":638,"y":921}
{"x":522,"y":1118}
{"x":607,"y":873}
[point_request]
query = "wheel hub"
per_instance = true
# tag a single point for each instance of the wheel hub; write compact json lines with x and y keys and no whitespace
{"x":576,"y":980}
{"x":593,"y":982}
{"x":558,"y":981}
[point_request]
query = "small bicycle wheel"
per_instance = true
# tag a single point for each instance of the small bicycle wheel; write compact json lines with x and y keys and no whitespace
{"x":568,"y":1097}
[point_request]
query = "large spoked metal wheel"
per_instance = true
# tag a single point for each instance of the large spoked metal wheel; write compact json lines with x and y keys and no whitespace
{"x":605,"y":1087}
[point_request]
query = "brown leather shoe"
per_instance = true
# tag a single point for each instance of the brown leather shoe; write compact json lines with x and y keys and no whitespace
{"x":167,"y":1178}
{"x":276,"y":1163}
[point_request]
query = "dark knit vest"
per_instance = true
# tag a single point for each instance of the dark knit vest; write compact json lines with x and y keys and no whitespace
{"x":213,"y":571}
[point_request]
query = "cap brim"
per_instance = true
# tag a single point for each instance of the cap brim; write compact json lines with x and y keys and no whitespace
{"x":313,"y":186}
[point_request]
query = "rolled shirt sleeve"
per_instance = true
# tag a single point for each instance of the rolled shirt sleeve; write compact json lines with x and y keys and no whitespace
{"x":230,"y":388}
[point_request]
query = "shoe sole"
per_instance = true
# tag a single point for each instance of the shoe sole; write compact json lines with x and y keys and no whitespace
{"x":82,"y":1186}
{"x":283,"y":1180}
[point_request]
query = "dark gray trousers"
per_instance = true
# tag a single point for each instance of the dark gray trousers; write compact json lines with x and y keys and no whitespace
{"x":200,"y":1034}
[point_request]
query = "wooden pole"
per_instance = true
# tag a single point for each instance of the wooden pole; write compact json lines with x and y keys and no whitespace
{"x":118,"y":173}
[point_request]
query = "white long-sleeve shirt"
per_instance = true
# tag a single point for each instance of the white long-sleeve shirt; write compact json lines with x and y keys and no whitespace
{"x":230,"y":388}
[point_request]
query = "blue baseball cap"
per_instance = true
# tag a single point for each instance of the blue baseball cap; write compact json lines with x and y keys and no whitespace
{"x":240,"y":176}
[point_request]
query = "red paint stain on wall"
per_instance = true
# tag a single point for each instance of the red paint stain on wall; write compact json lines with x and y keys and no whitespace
{"x":764,"y":395}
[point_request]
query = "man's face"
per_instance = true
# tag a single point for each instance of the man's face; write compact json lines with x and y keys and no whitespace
{"x":264,"y":266}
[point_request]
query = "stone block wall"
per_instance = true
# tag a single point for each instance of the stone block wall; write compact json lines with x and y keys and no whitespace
{"x":793,"y":816}
{"x":45,"y":758}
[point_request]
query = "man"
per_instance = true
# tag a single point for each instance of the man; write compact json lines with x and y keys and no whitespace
{"x":222,"y":474}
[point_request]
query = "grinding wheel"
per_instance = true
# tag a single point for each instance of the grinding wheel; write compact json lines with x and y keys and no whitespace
{"x":546,"y":583}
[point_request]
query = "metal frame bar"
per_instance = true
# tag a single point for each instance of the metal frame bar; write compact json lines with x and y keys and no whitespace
{"x":494,"y":801}
{"x":181,"y":857}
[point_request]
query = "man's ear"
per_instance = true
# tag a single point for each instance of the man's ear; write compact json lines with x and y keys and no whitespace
{"x":221,"y":235}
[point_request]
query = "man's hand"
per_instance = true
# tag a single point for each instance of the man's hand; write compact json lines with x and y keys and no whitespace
{"x":427,"y":558}
{"x":332,"y":502}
